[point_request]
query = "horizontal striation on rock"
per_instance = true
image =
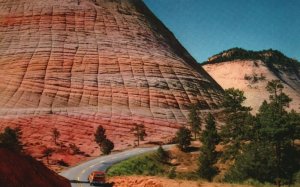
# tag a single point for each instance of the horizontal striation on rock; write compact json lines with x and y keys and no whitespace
{"x":79,"y":63}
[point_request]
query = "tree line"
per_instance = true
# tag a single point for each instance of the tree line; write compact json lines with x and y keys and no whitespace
{"x":10,"y":139}
{"x":257,"y":147}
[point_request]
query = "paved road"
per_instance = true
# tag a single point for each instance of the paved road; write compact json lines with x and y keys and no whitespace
{"x":78,"y":175}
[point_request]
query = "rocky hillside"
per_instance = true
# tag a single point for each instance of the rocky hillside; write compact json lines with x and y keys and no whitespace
{"x":77,"y":64}
{"x":18,"y":170}
{"x":251,"y":70}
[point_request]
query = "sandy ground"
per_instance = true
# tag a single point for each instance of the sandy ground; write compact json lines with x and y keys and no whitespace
{"x":141,"y":181}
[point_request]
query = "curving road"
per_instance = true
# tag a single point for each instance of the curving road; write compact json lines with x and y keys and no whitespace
{"x":78,"y":175}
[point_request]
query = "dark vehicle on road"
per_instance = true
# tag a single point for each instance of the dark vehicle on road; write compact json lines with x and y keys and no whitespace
{"x":96,"y":178}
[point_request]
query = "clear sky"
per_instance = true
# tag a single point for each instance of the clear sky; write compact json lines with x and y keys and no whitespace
{"x":207,"y":27}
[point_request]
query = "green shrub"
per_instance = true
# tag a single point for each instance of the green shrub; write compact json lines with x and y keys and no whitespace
{"x":256,"y":183}
{"x":188,"y":176}
{"x":146,"y":164}
{"x":172,"y":173}
{"x":162,"y":155}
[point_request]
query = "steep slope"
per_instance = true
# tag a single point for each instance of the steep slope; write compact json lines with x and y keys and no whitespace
{"x":18,"y":170}
{"x":250,"y":71}
{"x":76,"y":64}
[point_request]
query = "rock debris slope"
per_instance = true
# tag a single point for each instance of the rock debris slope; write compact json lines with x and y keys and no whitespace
{"x":74,"y":65}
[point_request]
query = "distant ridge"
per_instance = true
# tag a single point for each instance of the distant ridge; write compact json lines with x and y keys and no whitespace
{"x":250,"y":70}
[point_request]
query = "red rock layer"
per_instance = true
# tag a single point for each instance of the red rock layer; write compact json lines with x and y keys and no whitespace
{"x":77,"y":64}
{"x":18,"y":170}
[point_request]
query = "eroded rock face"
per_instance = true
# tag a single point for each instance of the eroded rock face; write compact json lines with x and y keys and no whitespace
{"x":76,"y":64}
{"x":252,"y":75}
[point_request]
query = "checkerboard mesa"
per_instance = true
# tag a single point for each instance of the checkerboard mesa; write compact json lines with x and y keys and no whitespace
{"x":77,"y":64}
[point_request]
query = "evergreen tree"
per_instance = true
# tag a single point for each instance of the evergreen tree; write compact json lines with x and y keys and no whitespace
{"x":208,"y":154}
{"x":255,"y":163}
{"x":47,"y":152}
{"x":233,"y":101}
{"x":239,"y":122}
{"x":294,"y":119}
{"x":55,"y":135}
{"x":107,"y":146}
{"x":183,"y":138}
{"x":194,"y":120}
{"x":10,"y":139}
{"x":269,"y":154}
{"x":100,"y":135}
{"x":139,"y":132}
{"x":162,"y":155}
{"x":276,"y":127}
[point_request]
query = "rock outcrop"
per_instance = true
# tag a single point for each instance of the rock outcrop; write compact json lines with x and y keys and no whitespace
{"x":19,"y":170}
{"x":250,"y":71}
{"x":77,"y":64}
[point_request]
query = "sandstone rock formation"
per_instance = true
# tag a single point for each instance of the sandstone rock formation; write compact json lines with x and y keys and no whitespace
{"x":76,"y":64}
{"x":19,"y":170}
{"x":250,"y":71}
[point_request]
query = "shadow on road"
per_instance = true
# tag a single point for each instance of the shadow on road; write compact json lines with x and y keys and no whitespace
{"x":87,"y":182}
{"x":77,"y":181}
{"x":105,"y":185}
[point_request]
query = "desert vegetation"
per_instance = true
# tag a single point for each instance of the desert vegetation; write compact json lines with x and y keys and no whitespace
{"x":139,"y":133}
{"x":261,"y":147}
{"x":254,"y":78}
{"x":183,"y":138}
{"x":256,"y":149}
{"x":10,"y":139}
{"x":146,"y":164}
{"x":106,"y":145}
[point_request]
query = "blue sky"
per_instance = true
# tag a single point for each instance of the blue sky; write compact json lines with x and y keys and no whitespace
{"x":207,"y":27}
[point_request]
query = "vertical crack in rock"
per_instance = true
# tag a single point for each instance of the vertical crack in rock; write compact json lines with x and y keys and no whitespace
{"x":75,"y":65}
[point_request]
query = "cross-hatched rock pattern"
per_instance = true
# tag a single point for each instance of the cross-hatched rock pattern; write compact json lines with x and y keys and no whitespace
{"x":76,"y":64}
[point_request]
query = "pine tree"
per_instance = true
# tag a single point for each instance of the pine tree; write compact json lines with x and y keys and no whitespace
{"x":55,"y":135}
{"x":162,"y":155}
{"x":100,"y":135}
{"x":10,"y":139}
{"x":194,"y":120}
{"x":269,"y":154}
{"x":276,"y":126}
{"x":233,"y":101}
{"x":208,"y":154}
{"x":294,"y":119}
{"x":254,"y":163}
{"x":183,"y":138}
{"x":47,"y":152}
{"x":107,"y":146}
{"x":139,"y":132}
{"x":239,"y":122}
